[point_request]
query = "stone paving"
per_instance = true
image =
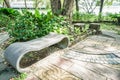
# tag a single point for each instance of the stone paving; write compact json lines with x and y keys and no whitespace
{"x":103,"y":49}
{"x":92,"y":59}
{"x":108,"y":58}
{"x":89,"y":59}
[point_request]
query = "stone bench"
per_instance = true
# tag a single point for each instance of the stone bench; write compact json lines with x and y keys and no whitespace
{"x":81,"y":26}
{"x":16,"y":51}
{"x":95,"y":28}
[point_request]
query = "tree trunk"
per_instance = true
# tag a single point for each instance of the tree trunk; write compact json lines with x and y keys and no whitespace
{"x":7,"y":3}
{"x":25,"y":4}
{"x":77,"y":7}
{"x":56,"y":7}
{"x":101,"y":8}
{"x":67,"y":8}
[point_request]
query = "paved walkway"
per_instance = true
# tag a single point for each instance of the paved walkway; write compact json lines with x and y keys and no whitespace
{"x":95,"y":58}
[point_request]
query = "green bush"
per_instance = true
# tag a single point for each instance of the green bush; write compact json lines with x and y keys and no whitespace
{"x":30,"y":26}
{"x":85,"y":17}
{"x":115,"y":16}
{"x":91,"y":17}
{"x":9,"y":12}
{"x":4,"y":20}
{"x":20,"y":77}
{"x":7,"y":15}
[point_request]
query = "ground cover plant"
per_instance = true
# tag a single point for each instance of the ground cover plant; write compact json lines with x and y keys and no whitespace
{"x":115,"y":16}
{"x":7,"y":15}
{"x":91,"y":17}
{"x":28,"y":26}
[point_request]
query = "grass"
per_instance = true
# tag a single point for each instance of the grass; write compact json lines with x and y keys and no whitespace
{"x":110,"y":26}
{"x":20,"y":77}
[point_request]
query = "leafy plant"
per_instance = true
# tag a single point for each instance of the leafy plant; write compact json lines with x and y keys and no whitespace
{"x":91,"y":17}
{"x":4,"y":20}
{"x":108,"y":26}
{"x":84,"y":16}
{"x":116,"y":16}
{"x":9,"y":12}
{"x":7,"y":15}
{"x":30,"y":26}
{"x":21,"y":77}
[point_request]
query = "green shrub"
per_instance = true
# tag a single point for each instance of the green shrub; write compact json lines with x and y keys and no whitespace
{"x":21,"y":77}
{"x":91,"y":17}
{"x":7,"y":15}
{"x":4,"y":20}
{"x":30,"y":26}
{"x":84,"y":17}
{"x":115,"y":16}
{"x":9,"y":12}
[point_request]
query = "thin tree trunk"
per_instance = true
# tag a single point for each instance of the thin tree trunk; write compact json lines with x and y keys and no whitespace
{"x":77,"y":9}
{"x":56,"y":7}
{"x":7,"y":3}
{"x":77,"y":6}
{"x":68,"y":8}
{"x":25,"y":4}
{"x":101,"y":8}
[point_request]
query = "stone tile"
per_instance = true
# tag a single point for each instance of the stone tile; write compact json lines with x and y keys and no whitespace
{"x":111,"y":34}
{"x":104,"y":70}
{"x":92,"y":50}
{"x":63,"y":63}
{"x":32,"y":77}
{"x":84,"y":73}
{"x":78,"y":46}
{"x":54,"y":73}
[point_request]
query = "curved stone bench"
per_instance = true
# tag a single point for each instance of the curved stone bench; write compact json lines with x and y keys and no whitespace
{"x":16,"y":51}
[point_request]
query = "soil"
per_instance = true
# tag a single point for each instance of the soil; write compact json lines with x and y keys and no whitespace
{"x":34,"y":56}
